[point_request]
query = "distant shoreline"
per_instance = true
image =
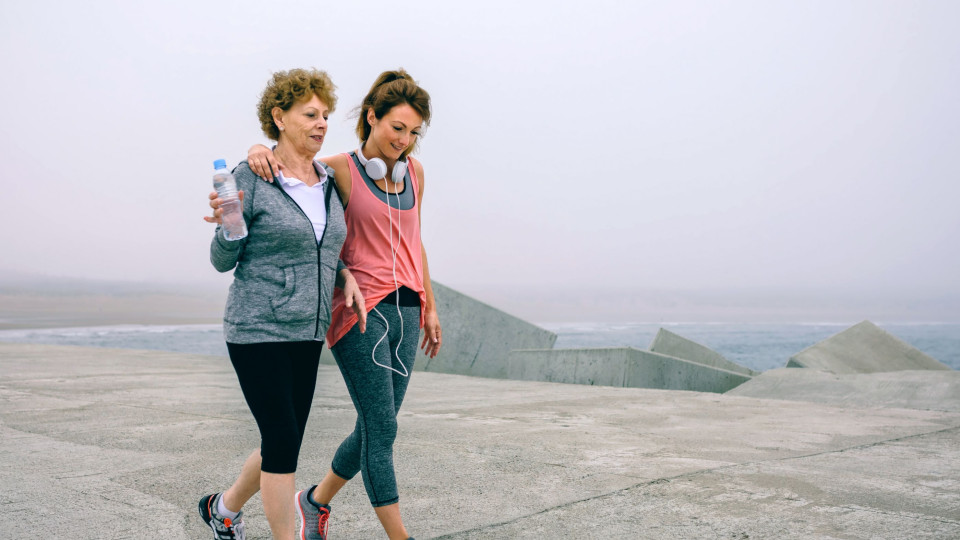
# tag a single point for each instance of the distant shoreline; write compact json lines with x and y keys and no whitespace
{"x":68,"y":307}
{"x":26,"y":311}
{"x":759,"y":346}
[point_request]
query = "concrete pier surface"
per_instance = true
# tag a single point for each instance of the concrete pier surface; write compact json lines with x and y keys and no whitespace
{"x":110,"y":444}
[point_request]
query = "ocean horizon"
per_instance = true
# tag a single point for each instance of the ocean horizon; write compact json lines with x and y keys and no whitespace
{"x":758,"y":346}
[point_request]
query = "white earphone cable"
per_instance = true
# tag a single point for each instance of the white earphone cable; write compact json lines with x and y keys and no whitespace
{"x":396,"y":286}
{"x":405,"y":372}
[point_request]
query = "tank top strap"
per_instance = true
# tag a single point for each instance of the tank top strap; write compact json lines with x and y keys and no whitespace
{"x":354,"y":173}
{"x":414,"y":179}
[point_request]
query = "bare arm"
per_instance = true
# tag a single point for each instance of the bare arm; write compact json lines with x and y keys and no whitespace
{"x":353,"y":297}
{"x":341,"y":175}
{"x":432,"y":338}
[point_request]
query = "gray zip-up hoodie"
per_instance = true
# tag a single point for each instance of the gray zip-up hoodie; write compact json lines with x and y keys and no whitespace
{"x":284,"y":278}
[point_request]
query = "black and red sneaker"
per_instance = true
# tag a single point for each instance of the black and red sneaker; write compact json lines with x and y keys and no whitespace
{"x":224,"y":528}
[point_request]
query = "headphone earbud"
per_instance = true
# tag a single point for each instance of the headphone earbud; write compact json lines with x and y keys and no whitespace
{"x":376,"y":168}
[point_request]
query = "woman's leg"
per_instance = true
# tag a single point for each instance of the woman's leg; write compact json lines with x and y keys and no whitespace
{"x":389,"y":517}
{"x":370,"y":447}
{"x":246,"y":485}
{"x":328,"y":488}
{"x":377,"y":393}
{"x":277,"y":493}
{"x":277,"y":380}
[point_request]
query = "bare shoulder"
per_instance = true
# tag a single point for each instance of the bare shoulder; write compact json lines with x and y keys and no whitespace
{"x":341,"y":174}
{"x":341,"y":170}
{"x":417,"y":166}
{"x":336,"y":161}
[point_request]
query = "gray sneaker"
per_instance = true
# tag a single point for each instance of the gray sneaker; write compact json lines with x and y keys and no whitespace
{"x":223,"y":528}
{"x":313,"y":518}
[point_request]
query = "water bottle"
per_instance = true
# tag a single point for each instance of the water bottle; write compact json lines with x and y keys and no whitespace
{"x":234,"y":228}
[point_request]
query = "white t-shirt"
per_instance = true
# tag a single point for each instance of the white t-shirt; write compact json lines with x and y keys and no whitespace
{"x":309,"y":198}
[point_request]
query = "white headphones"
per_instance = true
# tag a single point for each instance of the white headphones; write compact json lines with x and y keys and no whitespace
{"x":377,"y":169}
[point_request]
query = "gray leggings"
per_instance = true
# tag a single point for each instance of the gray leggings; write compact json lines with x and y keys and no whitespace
{"x":377,"y":393}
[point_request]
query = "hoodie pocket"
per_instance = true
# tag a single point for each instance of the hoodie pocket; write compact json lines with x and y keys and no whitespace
{"x":298,"y":300}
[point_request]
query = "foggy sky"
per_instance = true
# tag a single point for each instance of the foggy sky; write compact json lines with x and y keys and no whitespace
{"x":575,"y":147}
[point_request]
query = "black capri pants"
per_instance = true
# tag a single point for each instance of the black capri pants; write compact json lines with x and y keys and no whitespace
{"x":278,"y":380}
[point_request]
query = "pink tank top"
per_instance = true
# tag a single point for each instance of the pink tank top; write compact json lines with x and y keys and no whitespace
{"x":368,"y":254}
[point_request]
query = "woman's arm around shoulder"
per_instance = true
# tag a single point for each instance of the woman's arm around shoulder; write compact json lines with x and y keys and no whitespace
{"x":263,"y":163}
{"x":341,"y":175}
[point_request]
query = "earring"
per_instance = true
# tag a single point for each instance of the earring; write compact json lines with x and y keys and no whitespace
{"x":281,"y":128}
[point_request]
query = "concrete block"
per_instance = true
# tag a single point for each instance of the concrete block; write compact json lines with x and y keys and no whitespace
{"x":863,"y":348}
{"x":601,"y":367}
{"x":935,"y":390}
{"x":621,"y":366}
{"x":477,"y":338}
{"x":654,"y":370}
{"x":670,"y":344}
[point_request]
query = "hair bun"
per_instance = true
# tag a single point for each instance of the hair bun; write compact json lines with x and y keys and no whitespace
{"x":390,"y":76}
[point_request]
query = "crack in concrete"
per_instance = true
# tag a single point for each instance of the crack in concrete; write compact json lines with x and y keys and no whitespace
{"x":702,"y":472}
{"x":908,"y":515}
{"x":70,"y":477}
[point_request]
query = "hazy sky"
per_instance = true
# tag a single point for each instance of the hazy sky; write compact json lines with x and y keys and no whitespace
{"x":575,"y":146}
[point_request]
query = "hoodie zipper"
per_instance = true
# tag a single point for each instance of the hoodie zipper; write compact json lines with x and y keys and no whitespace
{"x":316,"y":328}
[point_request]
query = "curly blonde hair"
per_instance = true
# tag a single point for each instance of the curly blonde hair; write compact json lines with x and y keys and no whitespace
{"x":287,"y":88}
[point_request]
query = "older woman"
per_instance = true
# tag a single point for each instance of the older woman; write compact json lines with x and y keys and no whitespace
{"x":382,"y":187}
{"x":278,"y":309}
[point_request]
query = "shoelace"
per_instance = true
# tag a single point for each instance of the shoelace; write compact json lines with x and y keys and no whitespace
{"x":234,"y":530}
{"x":322,"y":524}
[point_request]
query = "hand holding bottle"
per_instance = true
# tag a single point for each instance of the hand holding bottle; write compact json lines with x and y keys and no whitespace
{"x":228,"y":211}
{"x":217,"y":211}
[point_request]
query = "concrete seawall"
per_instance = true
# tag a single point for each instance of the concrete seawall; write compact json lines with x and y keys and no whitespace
{"x":480,"y":340}
{"x":477,"y":337}
{"x":622,"y":366}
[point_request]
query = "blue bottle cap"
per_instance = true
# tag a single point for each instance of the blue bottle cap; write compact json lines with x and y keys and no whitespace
{"x":220,"y":164}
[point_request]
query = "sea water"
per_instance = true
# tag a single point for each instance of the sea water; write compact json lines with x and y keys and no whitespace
{"x":189,"y":338}
{"x":757,"y":346}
